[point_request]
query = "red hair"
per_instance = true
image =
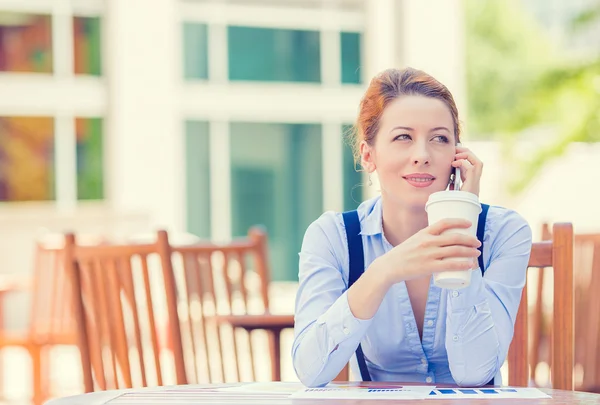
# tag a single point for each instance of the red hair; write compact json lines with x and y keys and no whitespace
{"x":388,"y":86}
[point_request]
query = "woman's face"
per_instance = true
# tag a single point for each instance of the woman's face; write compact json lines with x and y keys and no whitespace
{"x":413,"y":150}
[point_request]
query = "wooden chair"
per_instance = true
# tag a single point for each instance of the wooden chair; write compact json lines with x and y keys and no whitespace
{"x":556,"y":253}
{"x":51,"y":319}
{"x":124,"y":295}
{"x":586,"y":303}
{"x":225,"y":288}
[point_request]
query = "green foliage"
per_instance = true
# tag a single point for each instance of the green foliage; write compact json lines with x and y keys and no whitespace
{"x":506,"y":51}
{"x":516,"y":81}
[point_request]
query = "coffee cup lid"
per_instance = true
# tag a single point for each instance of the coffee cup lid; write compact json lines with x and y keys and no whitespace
{"x":453,"y":195}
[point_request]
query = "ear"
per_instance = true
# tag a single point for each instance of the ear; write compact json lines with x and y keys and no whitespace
{"x":367,"y":157}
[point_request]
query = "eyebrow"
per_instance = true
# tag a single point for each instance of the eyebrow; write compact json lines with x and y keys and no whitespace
{"x":412,"y":129}
{"x":405,"y":128}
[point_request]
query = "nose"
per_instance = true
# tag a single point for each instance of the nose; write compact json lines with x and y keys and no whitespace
{"x":420,"y":155}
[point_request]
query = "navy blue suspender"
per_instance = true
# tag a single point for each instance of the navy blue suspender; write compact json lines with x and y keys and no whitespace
{"x":357,"y":267}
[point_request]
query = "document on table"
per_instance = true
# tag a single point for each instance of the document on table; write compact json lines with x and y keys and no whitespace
{"x":416,"y":392}
{"x":340,"y":391}
{"x":487,"y":393}
{"x":259,"y":393}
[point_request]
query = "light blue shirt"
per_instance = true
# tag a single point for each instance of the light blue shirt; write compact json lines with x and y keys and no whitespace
{"x":466,"y":333}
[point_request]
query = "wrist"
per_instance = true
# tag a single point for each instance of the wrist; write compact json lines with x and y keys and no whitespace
{"x":382,"y":272}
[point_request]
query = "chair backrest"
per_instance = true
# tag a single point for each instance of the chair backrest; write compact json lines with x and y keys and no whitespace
{"x":124,"y":301}
{"x":558,"y":254}
{"x":586,"y":284}
{"x":51,"y":316}
{"x":221,"y":279}
{"x":587,"y":305}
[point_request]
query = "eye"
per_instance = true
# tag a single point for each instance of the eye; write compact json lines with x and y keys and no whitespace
{"x":441,"y":139}
{"x":402,"y":137}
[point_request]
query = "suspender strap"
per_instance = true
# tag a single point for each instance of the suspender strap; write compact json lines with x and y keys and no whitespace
{"x":357,"y":267}
{"x":481,"y":232}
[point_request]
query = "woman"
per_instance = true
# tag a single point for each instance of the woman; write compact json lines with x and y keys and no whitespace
{"x":408,"y":329}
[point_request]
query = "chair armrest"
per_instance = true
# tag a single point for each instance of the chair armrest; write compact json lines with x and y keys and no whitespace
{"x":264,"y":321}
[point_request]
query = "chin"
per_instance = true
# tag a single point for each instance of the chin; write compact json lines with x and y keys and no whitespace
{"x":413,"y":202}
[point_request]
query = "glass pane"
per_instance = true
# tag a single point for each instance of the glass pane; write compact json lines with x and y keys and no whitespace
{"x":25,"y":42}
{"x":87,"y":46}
{"x":353,"y":183}
{"x":267,"y":54}
{"x":278,"y":187}
{"x":26,"y":159}
{"x":195,"y":51}
{"x":197,"y":165}
{"x":90,"y":163}
{"x":351,"y":57}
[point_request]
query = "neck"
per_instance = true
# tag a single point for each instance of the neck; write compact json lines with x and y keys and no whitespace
{"x":400,"y":222}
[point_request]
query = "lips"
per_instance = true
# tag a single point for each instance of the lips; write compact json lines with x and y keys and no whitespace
{"x":419,"y":180}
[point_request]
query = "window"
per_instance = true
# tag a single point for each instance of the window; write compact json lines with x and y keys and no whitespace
{"x":25,"y":42}
{"x":26,"y":159}
{"x":351,"y":58}
{"x":353,"y":183}
{"x":195,"y":51}
{"x":198,"y":178}
{"x":90,"y":167}
{"x":87,"y":46}
{"x":277,"y":55}
{"x":278,"y":186}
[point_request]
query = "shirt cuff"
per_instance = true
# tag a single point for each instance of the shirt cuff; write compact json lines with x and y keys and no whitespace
{"x":341,"y":324}
{"x":469,"y":297}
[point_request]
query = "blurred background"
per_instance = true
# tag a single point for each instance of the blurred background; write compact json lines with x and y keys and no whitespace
{"x":119,"y":117}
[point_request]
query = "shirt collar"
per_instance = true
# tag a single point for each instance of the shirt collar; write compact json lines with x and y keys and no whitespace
{"x":372,"y":223}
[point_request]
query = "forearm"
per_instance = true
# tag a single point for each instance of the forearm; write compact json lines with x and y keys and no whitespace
{"x":475,"y":342}
{"x":322,"y":350}
{"x":367,"y":293}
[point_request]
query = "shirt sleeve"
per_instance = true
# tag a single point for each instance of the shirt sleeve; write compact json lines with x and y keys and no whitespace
{"x":480,"y":318}
{"x":326,"y":333}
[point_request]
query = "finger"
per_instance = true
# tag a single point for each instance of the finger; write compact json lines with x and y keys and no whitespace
{"x":456,"y":252}
{"x":455,"y":238}
{"x":448,"y":223}
{"x":452,"y":265}
{"x":462,"y":155}
{"x":462,"y":163}
{"x":470,"y":156}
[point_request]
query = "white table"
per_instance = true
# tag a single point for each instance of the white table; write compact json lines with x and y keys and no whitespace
{"x":202,"y":394}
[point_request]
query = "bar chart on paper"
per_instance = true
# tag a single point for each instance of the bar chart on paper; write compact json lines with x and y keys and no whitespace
{"x":486,"y":393}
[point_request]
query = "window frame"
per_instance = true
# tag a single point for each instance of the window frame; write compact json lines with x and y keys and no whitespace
{"x":35,"y":94}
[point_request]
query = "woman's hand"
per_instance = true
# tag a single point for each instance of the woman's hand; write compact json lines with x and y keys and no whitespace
{"x":470,"y":169}
{"x":422,"y":254}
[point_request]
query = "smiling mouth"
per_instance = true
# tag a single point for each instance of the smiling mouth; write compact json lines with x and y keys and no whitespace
{"x":420,"y":179}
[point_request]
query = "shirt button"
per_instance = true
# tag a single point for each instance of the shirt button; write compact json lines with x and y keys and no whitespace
{"x":455,"y":338}
{"x":346,"y":330}
{"x":423,"y":361}
{"x":429,"y":380}
{"x":455,"y":294}
{"x":430,"y":323}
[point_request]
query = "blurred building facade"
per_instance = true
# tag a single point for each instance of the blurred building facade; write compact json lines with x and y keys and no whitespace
{"x":198,"y":116}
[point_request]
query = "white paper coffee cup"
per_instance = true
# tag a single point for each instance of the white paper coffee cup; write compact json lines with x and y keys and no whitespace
{"x":454,"y":204}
